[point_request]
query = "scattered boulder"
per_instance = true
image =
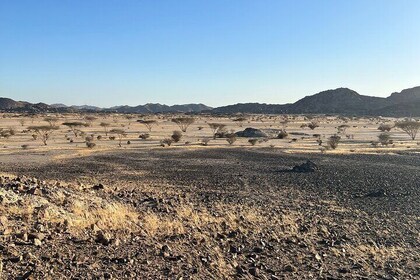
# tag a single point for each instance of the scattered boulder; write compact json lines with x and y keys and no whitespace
{"x":250,"y":133}
{"x":377,"y":193}
{"x":306,"y":167}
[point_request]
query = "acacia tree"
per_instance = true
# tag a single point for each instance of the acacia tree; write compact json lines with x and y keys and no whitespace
{"x":90,"y":120}
{"x":216,"y":127}
{"x":51,"y":120}
{"x":74,"y":126}
{"x":240,"y":121}
{"x":409,"y":127}
{"x":120,"y":133}
{"x":342,"y":128}
{"x":148,"y":123}
{"x":43,"y":131}
{"x":183,"y":122}
{"x":105,"y":125}
{"x":312,"y":125}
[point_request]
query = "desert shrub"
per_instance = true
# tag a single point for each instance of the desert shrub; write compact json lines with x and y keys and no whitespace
{"x":99,"y":137}
{"x":112,"y":138}
{"x":176,"y":136}
{"x":166,"y":141}
{"x":312,"y":125}
{"x":25,"y":146}
{"x":200,"y":128}
{"x":342,"y":128}
{"x":231,"y":138}
{"x":216,"y":127}
{"x":385,"y":127}
{"x":253,"y":141}
{"x":384,"y":138}
{"x":144,"y":136}
{"x":128,"y":142}
{"x":333,"y":141}
{"x":205,"y":141}
{"x":90,"y":145}
{"x":88,"y":138}
{"x":374,"y":143}
{"x":221,"y":133}
{"x":282,"y":134}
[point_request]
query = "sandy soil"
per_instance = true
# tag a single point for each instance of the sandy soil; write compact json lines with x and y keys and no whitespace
{"x":142,"y":211}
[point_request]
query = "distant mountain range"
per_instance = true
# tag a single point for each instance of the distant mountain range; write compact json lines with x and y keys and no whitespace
{"x":336,"y":101}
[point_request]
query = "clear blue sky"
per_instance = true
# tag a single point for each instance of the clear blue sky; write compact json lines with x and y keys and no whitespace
{"x":114,"y":52}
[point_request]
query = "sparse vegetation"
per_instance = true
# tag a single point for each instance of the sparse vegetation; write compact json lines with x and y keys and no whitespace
{"x":148,"y":124}
{"x":385,"y":127}
{"x":312,"y":125}
{"x":183,"y":122}
{"x":333,"y":141}
{"x":105,"y":126}
{"x":176,"y":136}
{"x":409,"y":127}
{"x":43,"y":131}
{"x":74,"y":127}
{"x":385,"y":138}
{"x":120,"y":134}
{"x":231,"y":138}
{"x":216,"y":127}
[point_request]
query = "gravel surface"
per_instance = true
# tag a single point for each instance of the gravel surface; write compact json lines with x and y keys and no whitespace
{"x":353,"y":217}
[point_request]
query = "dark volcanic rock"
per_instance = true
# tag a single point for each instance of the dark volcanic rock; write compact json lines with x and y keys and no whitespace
{"x":251,"y":132}
{"x":308,"y":166}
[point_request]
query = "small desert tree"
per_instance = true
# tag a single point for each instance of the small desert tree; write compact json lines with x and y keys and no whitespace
{"x":385,"y":127}
{"x":74,"y":126}
{"x":312,"y":125}
{"x":231,"y":138}
{"x":183,"y":122}
{"x":105,"y":126}
{"x":176,"y":136}
{"x":216,"y":127}
{"x":52,"y":121}
{"x":333,"y":141}
{"x":90,"y":119}
{"x":384,"y":138}
{"x":342,"y":128}
{"x":148,"y":123}
{"x":120,"y":134}
{"x":240,"y":121}
{"x":43,"y":131}
{"x":409,"y":127}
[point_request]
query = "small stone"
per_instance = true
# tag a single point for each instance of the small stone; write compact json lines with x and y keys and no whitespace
{"x":37,"y":242}
{"x":290,"y":268}
{"x":254,"y":271}
{"x":103,"y":237}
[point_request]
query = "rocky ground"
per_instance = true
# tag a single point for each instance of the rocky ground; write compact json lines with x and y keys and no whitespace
{"x":175,"y":213}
